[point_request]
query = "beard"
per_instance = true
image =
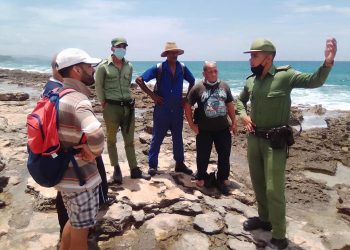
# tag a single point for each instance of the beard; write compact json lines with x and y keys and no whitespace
{"x":87,"y":79}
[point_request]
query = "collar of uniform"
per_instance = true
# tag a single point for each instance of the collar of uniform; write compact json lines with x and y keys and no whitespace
{"x":76,"y":85}
{"x":110,"y":60}
{"x":272,"y":70}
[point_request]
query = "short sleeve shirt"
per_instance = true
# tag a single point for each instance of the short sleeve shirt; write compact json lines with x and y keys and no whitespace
{"x":170,"y":86}
{"x":211,"y":101}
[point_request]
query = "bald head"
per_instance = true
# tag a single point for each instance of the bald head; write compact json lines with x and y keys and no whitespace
{"x":210,"y":71}
{"x":208,"y":64}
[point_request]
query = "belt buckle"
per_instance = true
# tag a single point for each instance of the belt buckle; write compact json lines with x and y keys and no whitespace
{"x":267,"y":136}
{"x":122,"y":103}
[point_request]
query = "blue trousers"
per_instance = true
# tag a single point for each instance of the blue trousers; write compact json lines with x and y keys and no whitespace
{"x":163,"y":121}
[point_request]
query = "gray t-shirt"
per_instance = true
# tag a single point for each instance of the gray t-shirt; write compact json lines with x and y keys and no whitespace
{"x":211,"y":114}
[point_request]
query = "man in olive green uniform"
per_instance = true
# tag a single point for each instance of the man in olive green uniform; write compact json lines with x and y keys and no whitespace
{"x":269,"y":89}
{"x":113,"y":79}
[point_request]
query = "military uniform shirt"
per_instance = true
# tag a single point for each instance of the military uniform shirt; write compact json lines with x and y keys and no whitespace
{"x":270,"y":97}
{"x":113,"y":83}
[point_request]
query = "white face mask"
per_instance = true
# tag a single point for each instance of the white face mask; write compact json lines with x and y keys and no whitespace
{"x":211,"y":83}
{"x":119,"y":53}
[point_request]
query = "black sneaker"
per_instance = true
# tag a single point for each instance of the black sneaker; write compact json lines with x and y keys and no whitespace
{"x":181,"y":167}
{"x":223,"y":188}
{"x":136,"y":173}
{"x":279,"y":243}
{"x":254,"y":223}
{"x":117,"y":175}
{"x":152,"y":171}
{"x":110,"y":200}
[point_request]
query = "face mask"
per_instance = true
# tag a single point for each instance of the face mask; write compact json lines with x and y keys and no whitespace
{"x":258,"y":70}
{"x":211,"y":83}
{"x":119,"y":53}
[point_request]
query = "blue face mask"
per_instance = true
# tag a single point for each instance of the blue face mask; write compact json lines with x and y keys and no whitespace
{"x":119,"y":53}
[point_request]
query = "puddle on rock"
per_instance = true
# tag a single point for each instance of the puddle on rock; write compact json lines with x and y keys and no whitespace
{"x":342,"y":176}
{"x":5,"y":87}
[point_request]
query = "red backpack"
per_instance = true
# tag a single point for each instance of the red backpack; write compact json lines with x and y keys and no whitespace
{"x":47,"y":161}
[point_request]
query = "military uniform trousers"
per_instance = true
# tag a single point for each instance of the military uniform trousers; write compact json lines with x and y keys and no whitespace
{"x":267,"y":171}
{"x":115,"y":117}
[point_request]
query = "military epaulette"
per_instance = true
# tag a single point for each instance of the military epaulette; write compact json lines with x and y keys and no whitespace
{"x":250,"y":76}
{"x":283,"y":68}
{"x":103,"y":61}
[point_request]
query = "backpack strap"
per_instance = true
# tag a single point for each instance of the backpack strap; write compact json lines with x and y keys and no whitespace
{"x":159,"y":75}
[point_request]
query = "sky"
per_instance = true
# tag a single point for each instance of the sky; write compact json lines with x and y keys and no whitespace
{"x":206,"y":30}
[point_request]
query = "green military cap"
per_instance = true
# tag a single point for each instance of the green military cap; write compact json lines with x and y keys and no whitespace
{"x":118,"y":40}
{"x":262,"y":45}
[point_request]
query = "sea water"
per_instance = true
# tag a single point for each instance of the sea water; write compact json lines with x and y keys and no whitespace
{"x":333,"y":95}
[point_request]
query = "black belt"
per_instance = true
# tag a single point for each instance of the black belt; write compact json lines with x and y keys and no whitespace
{"x":127,"y":103}
{"x":261,"y":133}
{"x":265,"y":133}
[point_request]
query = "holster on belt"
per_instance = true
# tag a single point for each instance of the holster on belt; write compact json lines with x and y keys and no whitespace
{"x":279,"y":137}
{"x":131,"y":113}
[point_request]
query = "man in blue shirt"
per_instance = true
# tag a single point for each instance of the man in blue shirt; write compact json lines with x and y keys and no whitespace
{"x":55,"y":81}
{"x":168,"y":109}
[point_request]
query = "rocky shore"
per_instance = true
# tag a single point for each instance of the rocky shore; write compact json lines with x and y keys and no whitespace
{"x":170,"y":212}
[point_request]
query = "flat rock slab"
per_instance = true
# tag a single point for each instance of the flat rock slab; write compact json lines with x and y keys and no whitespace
{"x":19,"y":96}
{"x":160,"y":191}
{"x":114,"y":221}
{"x":193,"y":241}
{"x":166,"y":225}
{"x":343,"y":204}
{"x":186,"y":208}
{"x":45,"y":197}
{"x":234,"y":223}
{"x":230,"y":205}
{"x":209,"y":223}
{"x":235,"y":244}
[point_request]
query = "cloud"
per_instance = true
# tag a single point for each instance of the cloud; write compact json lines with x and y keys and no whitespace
{"x":321,"y":9}
{"x":87,"y":12}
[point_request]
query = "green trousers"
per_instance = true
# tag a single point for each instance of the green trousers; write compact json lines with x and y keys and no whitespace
{"x":267,"y":172}
{"x":116,"y":116}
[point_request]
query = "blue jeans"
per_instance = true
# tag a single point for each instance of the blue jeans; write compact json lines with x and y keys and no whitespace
{"x":163,"y":121}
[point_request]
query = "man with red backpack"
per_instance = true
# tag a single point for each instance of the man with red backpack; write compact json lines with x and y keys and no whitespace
{"x":56,"y":81}
{"x":77,"y":119}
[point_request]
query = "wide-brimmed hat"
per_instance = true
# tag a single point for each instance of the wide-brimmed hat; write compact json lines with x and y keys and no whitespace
{"x":171,"y":46}
{"x":73,"y":56}
{"x":261,"y":45}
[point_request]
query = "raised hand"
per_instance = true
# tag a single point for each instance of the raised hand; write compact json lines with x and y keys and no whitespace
{"x":330,"y":51}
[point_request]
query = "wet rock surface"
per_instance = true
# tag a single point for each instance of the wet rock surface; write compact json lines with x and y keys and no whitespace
{"x":343,"y":205}
{"x":169,"y":211}
{"x":19,"y":96}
